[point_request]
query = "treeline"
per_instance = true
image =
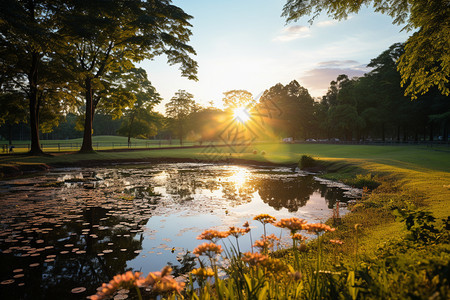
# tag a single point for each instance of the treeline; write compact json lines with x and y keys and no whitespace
{"x":365,"y":108}
{"x":372,"y":107}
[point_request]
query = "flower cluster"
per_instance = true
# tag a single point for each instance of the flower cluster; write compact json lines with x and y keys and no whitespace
{"x":254,"y":259}
{"x":212,"y":235}
{"x":237,"y":232}
{"x":203,"y":272}
{"x":263,"y":244}
{"x":261,"y":260}
{"x":126,"y":280}
{"x":318,"y":227}
{"x":160,"y":282}
{"x":298,"y":237}
{"x":293,"y":224}
{"x":208,"y":249}
{"x":265,"y":218}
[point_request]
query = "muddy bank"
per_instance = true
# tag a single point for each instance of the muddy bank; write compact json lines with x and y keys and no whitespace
{"x":12,"y":170}
{"x":18,"y":169}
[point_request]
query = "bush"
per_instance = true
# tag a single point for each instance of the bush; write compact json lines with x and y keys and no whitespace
{"x":363,"y":181}
{"x":307,"y":161}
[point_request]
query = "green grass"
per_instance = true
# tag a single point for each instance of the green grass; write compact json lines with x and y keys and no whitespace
{"x":102,"y":142}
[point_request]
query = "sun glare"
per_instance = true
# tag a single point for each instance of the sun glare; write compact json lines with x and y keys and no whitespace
{"x":241,"y":114}
{"x":239,"y":177}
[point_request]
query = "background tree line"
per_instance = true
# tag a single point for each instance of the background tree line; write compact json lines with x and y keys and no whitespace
{"x":372,"y":107}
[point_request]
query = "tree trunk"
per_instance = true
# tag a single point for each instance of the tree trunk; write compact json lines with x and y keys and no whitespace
{"x":383,"y":137}
{"x":445,"y":137}
{"x":35,"y":148}
{"x":130,"y":128}
{"x":431,"y":132}
{"x":86,"y":147}
{"x":181,"y":131}
{"x":9,"y":134}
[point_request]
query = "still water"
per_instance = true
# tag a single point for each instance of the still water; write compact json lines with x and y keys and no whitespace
{"x":72,"y":229}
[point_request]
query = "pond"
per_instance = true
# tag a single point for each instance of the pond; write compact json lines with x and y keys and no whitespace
{"x":65,"y":232}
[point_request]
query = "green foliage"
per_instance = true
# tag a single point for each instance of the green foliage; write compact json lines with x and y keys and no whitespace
{"x":307,"y":161}
{"x":425,"y":62}
{"x":421,"y":226}
{"x":178,"y":109}
{"x":237,"y":98}
{"x":363,"y":181}
{"x":288,"y":110}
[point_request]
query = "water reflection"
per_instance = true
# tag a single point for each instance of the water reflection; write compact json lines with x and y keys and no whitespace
{"x":78,"y":228}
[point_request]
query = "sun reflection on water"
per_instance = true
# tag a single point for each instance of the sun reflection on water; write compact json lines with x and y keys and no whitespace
{"x":239,"y":177}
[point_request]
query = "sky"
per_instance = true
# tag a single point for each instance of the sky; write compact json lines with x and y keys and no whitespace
{"x":246,"y":44}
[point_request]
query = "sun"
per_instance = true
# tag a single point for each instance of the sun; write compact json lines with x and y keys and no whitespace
{"x":241,"y":114}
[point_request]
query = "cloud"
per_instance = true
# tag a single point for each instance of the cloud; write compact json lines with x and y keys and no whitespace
{"x":337,"y":63}
{"x":317,"y":80}
{"x":292,"y":33}
{"x":327,"y":23}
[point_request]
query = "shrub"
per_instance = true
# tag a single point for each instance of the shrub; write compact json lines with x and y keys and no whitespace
{"x":307,"y":161}
{"x":364,"y":181}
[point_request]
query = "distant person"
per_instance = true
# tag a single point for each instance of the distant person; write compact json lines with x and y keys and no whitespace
{"x":11,"y":148}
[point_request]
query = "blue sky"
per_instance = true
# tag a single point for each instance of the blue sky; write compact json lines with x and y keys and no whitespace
{"x":246,"y":44}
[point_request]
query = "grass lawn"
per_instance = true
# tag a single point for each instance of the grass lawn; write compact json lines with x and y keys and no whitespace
{"x":101,"y":142}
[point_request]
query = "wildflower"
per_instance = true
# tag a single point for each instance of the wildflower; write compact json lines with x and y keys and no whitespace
{"x":258,"y":259}
{"x":237,"y":232}
{"x":265,"y":218}
{"x":126,"y":280}
{"x":298,"y":237}
{"x":336,"y":242}
{"x":263,"y":244}
{"x":161,"y":282}
{"x":203,"y":272}
{"x":293,"y":224}
{"x":212,"y":235}
{"x":318,"y":227}
{"x":208,"y":249}
{"x":246,"y":225}
{"x":272,"y":237}
{"x":254,"y":259}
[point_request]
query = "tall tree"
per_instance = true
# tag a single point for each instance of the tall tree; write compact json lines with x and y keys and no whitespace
{"x":26,"y":43}
{"x":140,"y":121}
{"x":425,"y":62}
{"x":237,"y":99}
{"x":131,"y":30}
{"x":179,"y":108}
{"x":295,"y":106}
